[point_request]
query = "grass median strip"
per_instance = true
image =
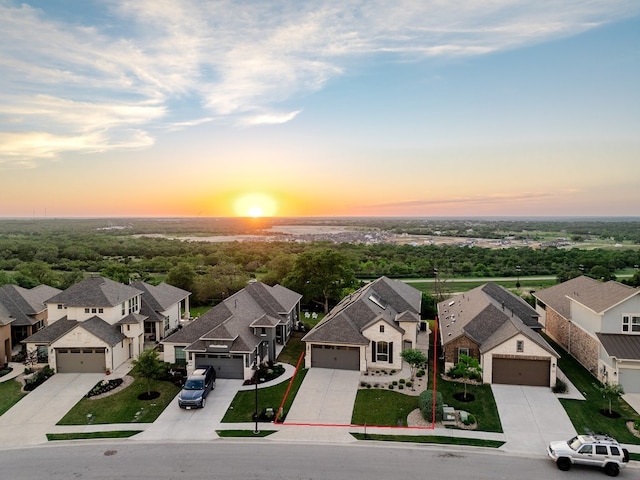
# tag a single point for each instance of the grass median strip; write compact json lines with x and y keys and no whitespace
{"x":10,"y":393}
{"x":91,"y":435}
{"x":243,"y":433}
{"x":436,"y":439}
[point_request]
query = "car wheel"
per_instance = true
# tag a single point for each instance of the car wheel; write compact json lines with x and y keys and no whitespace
{"x":204,"y":401}
{"x":563,"y":463}
{"x":612,"y":469}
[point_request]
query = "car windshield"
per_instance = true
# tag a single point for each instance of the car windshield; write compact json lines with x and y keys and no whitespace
{"x":575,"y":443}
{"x":192,"y":384}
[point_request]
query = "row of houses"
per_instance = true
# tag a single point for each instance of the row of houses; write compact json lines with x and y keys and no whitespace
{"x":98,"y":324}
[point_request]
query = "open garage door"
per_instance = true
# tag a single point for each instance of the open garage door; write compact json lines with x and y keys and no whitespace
{"x":515,"y":371}
{"x":334,"y":356}
{"x":80,"y":360}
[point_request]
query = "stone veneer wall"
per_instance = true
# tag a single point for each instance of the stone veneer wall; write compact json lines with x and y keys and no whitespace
{"x":582,"y":346}
{"x":451,"y":350}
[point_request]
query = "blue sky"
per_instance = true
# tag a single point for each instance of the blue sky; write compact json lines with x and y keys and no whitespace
{"x":217,"y":108}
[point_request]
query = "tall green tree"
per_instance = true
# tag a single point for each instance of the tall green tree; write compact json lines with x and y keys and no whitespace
{"x":468,"y":369}
{"x":182,"y":276}
{"x":321,"y":276}
{"x":149,"y":366}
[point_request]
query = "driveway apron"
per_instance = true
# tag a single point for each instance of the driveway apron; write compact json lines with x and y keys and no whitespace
{"x":29,"y":420}
{"x":176,"y":424}
{"x":531,"y":417}
{"x":326,"y":397}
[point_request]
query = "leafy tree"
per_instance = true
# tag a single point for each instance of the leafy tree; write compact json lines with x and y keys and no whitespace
{"x":149,"y":366}
{"x":425,"y":404}
{"x":468,"y":369}
{"x":610,"y":390}
{"x":117,"y":272}
{"x":415,"y":358}
{"x":182,"y":276}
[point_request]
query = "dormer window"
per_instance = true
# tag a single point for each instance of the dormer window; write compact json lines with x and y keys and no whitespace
{"x":381,"y":328}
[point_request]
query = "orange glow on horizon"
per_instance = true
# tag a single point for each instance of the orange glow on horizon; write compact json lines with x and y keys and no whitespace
{"x":255,"y":205}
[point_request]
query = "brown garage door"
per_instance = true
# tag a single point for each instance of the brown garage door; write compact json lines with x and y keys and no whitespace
{"x":80,"y":360}
{"x":514,"y":371}
{"x":334,"y":356}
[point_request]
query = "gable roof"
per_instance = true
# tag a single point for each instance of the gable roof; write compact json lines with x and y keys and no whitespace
{"x":95,"y":292}
{"x":596,"y":296}
{"x":158,"y":298}
{"x":19,"y":305}
{"x":230,"y":322}
{"x":383,"y":299}
{"x":52,"y":332}
{"x":488,"y":317}
{"x":109,"y":334}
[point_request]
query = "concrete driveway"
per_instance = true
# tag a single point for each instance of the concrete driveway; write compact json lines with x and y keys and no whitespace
{"x":531,"y":417}
{"x":177,"y":424}
{"x":326,"y":397}
{"x":29,"y":420}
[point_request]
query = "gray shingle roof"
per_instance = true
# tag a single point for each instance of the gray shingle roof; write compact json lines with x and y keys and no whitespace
{"x":110,"y":334}
{"x":131,"y":319}
{"x":382,"y":299}
{"x":52,"y":332}
{"x":479,"y":314}
{"x":230,"y":321}
{"x":161,"y":297}
{"x":595,"y":295}
{"x":95,"y":292}
{"x":21,"y":304}
{"x":623,"y":347}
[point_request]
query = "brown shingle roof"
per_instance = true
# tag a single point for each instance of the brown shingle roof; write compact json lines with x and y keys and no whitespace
{"x":595,"y":295}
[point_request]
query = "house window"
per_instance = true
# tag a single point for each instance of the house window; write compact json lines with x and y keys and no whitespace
{"x":166,"y":323}
{"x":631,"y":323}
{"x":60,"y":306}
{"x":94,"y":310}
{"x":123,"y":308}
{"x":381,"y":328}
{"x":128,"y":328}
{"x":101,"y":310}
{"x":463,"y":351}
{"x":86,"y":310}
{"x":520,"y":346}
{"x":382,"y":352}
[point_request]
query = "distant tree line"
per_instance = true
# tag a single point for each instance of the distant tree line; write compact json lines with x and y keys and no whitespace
{"x":323,"y":272}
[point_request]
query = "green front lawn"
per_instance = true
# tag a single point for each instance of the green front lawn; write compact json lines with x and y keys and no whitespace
{"x":473,"y":442}
{"x":10,"y":393}
{"x":123,"y":406}
{"x":293,"y":349}
{"x":243,"y":406}
{"x":383,"y":408}
{"x":585,"y":414}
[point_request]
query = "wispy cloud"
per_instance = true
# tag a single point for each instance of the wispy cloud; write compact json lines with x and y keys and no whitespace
{"x":107,"y":80}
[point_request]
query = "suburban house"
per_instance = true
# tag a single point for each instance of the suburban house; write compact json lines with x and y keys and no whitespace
{"x":239,"y":333}
{"x":598,"y":323}
{"x":164,"y":306}
{"x":97,"y":324}
{"x":22,"y":313}
{"x":501,"y":331}
{"x":367,"y":329}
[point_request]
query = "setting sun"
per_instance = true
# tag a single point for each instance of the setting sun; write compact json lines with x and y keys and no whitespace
{"x":255,"y":205}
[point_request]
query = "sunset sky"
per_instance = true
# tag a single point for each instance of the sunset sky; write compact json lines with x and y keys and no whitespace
{"x":319,"y":108}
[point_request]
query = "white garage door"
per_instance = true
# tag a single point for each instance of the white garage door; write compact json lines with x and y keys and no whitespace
{"x":630,"y":380}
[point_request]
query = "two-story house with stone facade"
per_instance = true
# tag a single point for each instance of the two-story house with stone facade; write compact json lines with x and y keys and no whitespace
{"x":97,"y":324}
{"x":598,"y":323}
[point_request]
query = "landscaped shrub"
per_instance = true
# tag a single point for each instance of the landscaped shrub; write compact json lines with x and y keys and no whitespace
{"x":401,"y":387}
{"x":104,"y":386}
{"x":409,"y":384}
{"x":402,"y":380}
{"x":391,"y":386}
{"x":425,"y":404}
{"x":420,"y":373}
{"x":560,"y":386}
{"x":368,"y":385}
{"x":470,"y":420}
{"x":5,"y":370}
{"x":38,"y":378}
{"x":395,"y":382}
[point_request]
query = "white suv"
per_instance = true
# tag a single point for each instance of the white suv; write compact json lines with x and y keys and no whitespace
{"x":597,"y":450}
